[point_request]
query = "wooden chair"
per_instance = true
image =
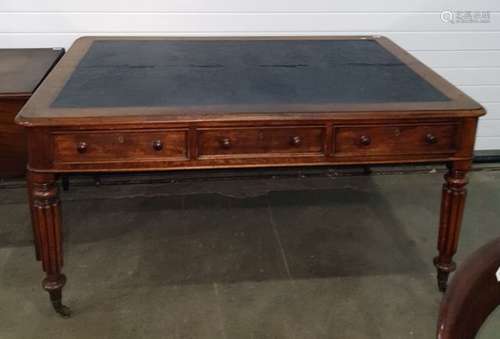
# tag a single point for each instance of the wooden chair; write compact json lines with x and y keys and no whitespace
{"x":472,"y":295}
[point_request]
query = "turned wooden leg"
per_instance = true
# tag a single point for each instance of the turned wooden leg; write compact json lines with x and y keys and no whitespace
{"x":65,"y":182}
{"x":47,"y":224}
{"x":452,"y":208}
{"x":36,"y":236}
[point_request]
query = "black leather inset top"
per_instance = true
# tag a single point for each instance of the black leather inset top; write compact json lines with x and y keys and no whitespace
{"x":119,"y":73}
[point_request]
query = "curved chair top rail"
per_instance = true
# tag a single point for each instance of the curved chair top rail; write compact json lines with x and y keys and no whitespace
{"x":472,"y":295}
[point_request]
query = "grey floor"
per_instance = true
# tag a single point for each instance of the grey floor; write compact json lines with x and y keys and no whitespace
{"x":316,"y":257}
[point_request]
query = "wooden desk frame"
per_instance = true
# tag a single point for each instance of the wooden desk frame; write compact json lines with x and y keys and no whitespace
{"x":167,"y":138}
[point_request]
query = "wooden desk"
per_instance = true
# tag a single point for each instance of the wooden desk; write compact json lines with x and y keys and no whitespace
{"x":21,"y":71}
{"x":155,"y":104}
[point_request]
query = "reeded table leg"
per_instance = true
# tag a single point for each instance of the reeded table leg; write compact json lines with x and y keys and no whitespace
{"x":452,"y":207}
{"x":36,"y":236}
{"x":46,"y":215}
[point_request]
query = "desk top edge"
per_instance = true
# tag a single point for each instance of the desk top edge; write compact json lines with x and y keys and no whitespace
{"x":38,"y":111}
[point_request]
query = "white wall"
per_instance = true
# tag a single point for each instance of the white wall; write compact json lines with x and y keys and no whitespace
{"x":467,"y":54}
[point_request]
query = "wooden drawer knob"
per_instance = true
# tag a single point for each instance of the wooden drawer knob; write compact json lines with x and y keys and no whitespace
{"x":430,"y":139}
{"x":226,"y":143}
{"x":157,"y":145}
{"x":365,"y":140}
{"x":295,"y":141}
{"x":82,"y":147}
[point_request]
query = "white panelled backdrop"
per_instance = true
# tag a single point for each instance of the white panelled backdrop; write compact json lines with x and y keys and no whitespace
{"x":466,"y":54}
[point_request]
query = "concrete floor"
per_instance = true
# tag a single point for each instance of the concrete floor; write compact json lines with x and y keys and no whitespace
{"x":320,"y":257}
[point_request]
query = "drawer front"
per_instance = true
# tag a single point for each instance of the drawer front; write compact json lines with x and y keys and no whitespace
{"x":259,"y":142}
{"x":81,"y":147}
{"x":395,"y":140}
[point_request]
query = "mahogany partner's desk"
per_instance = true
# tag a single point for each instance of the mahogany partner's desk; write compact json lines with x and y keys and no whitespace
{"x":154,"y":104}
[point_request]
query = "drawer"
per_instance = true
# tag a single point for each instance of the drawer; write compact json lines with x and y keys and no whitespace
{"x":258,"y":142}
{"x":103,"y":146}
{"x":404,"y":139}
